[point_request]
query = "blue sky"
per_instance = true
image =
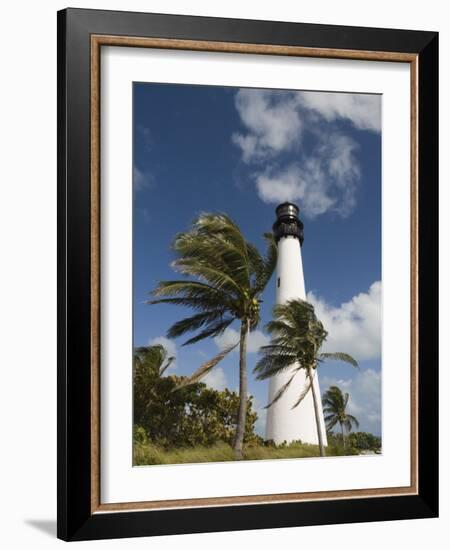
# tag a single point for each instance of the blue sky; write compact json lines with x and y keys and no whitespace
{"x":243,"y":151}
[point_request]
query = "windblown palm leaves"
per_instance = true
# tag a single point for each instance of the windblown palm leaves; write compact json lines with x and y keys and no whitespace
{"x":153,"y":357}
{"x":296,"y":338}
{"x":334,"y":407}
{"x":149,"y":365}
{"x":228,"y":275}
{"x":206,"y":367}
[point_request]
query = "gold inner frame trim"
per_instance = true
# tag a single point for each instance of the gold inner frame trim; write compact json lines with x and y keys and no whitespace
{"x":97,"y":41}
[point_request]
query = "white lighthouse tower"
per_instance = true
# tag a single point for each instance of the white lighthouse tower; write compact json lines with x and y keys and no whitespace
{"x":283,"y":422}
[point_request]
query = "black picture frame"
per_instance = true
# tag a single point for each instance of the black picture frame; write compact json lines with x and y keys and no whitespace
{"x":75,"y":518}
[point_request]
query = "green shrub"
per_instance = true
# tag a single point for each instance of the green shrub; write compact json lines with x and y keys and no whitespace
{"x":364,"y":441}
{"x":150,"y":454}
{"x":191,"y":416}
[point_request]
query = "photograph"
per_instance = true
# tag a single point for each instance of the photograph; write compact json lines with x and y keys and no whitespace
{"x":247,"y":274}
{"x":221,"y":242}
{"x":257,"y":274}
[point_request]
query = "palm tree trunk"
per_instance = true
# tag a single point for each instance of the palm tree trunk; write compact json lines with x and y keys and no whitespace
{"x":316,"y":411}
{"x":242,"y":413}
{"x":343,"y":434}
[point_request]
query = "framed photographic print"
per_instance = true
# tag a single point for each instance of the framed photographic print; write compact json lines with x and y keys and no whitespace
{"x":247,"y":274}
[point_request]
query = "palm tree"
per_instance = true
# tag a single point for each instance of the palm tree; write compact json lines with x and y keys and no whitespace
{"x":335,"y":403}
{"x":155,"y":357}
{"x":149,"y":365}
{"x":296,"y":338}
{"x":229,"y":274}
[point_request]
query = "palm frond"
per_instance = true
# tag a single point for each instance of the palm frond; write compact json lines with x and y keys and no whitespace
{"x":186,"y":288}
{"x":194,"y":294}
{"x":338,"y":356}
{"x":353,"y":420}
{"x":214,"y":329}
{"x":194,"y":303}
{"x":212,"y":276}
{"x":170,"y":360}
{"x":305,"y":391}
{"x":333,"y":399}
{"x":216,"y":241}
{"x":271,"y":364}
{"x":206,"y":367}
{"x":331,"y":422}
{"x":346,"y":397}
{"x":330,"y":403}
{"x":195,"y":322}
{"x":264,"y":267}
{"x":279,"y":328}
{"x":334,"y":407}
{"x":153,"y":355}
{"x":281,"y":391}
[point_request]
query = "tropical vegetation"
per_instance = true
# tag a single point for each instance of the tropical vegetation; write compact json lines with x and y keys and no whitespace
{"x":335,"y":410}
{"x":193,"y":415}
{"x":227,"y":275}
{"x":147,"y":453}
{"x":364,"y":441}
{"x":297,"y":336}
{"x":176,"y":423}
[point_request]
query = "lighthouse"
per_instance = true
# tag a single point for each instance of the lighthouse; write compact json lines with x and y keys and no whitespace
{"x":283,"y":422}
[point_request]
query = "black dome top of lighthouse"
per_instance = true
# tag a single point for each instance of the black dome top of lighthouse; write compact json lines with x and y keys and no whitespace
{"x":288,"y":223}
{"x":287,"y":209}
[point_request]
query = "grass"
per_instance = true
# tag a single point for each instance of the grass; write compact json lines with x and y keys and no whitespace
{"x":148,"y":454}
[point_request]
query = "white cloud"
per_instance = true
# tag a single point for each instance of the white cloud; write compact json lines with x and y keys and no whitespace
{"x":325,"y":176}
{"x":255,"y":340}
{"x":227,"y":338}
{"x":272,"y":121}
{"x":216,"y":379}
{"x":141,"y":180}
{"x":326,"y":180}
{"x":355,"y":326}
{"x":169,"y":345}
{"x":364,"y":402}
{"x":275,"y":120}
{"x":362,"y":110}
{"x":146,"y":137}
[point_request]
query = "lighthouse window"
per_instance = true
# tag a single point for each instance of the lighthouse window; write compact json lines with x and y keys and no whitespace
{"x":278,"y":282}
